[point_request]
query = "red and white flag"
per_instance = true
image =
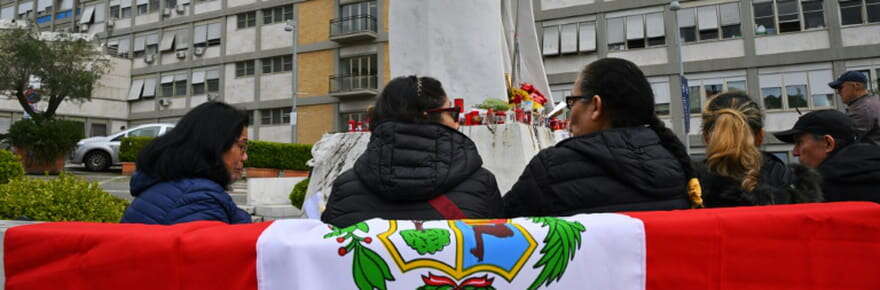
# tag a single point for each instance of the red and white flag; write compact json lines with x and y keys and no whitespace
{"x":811,"y":246}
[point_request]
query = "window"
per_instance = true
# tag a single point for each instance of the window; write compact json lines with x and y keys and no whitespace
{"x":569,"y":38}
{"x":7,"y":13}
{"x":702,"y":90}
{"x":246,"y":20}
{"x":125,"y":5}
{"x":98,"y":130}
{"x":807,"y":90}
{"x":636,"y":31}
{"x":244,"y":68}
{"x":205,"y":79}
{"x":353,"y":17}
{"x":276,"y":64}
{"x":275,"y":116}
{"x":145,"y":88}
{"x":277,"y":14}
{"x":792,"y":16}
{"x":207,"y":35}
{"x":114,"y":11}
{"x":170,"y":3}
{"x":152,"y":131}
{"x":855,"y":11}
{"x":174,"y":85}
{"x":661,"y":98}
{"x":709,"y":22}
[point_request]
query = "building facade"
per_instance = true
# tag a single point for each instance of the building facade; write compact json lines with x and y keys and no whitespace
{"x":782,"y":52}
{"x":256,"y":55}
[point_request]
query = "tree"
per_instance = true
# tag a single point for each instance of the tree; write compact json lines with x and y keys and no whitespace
{"x":68,"y":67}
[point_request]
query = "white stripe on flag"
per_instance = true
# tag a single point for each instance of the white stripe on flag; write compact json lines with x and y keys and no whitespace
{"x":306,"y":254}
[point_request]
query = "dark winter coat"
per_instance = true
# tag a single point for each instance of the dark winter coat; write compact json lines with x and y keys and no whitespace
{"x":624,"y":169}
{"x":404,"y":167}
{"x":778,"y":184}
{"x":180,"y":201}
{"x":852,"y":174}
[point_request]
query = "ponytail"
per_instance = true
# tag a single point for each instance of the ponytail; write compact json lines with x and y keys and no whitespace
{"x":678,"y":150}
{"x":731,"y":149}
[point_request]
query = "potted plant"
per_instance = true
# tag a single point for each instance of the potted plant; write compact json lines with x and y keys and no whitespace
{"x":129,"y":149}
{"x":43,"y":145}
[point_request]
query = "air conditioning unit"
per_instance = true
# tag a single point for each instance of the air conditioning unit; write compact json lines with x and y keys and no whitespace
{"x":149,"y":58}
{"x":166,"y":12}
{"x":181,"y":54}
{"x":181,"y":8}
{"x":83,"y":27}
{"x":111,"y":22}
{"x":213,"y":96}
{"x":165,"y":102}
{"x":199,"y":51}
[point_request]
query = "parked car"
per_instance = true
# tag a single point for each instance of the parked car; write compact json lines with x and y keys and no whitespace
{"x":99,"y":153}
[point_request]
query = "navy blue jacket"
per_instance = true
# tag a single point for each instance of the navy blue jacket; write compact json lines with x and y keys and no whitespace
{"x":180,"y":201}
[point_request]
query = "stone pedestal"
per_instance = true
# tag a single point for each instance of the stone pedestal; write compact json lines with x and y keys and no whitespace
{"x":506,"y":149}
{"x":270,"y":197}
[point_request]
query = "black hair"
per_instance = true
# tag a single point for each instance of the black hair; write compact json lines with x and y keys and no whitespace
{"x":195,"y":147}
{"x":628,"y":101}
{"x":406,"y":99}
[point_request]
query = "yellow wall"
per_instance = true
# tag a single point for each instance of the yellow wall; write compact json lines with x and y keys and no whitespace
{"x":314,"y":70}
{"x":314,"y":21}
{"x":386,"y":63}
{"x":385,"y":4}
{"x":313,"y":122}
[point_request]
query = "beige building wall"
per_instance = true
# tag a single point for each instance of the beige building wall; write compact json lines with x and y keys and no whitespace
{"x":314,"y":122}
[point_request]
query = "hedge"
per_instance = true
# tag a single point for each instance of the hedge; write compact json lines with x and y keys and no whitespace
{"x":47,"y":140}
{"x":65,"y":198}
{"x":130,"y":147}
{"x":10,"y":166}
{"x":262,"y":154}
{"x":298,"y":194}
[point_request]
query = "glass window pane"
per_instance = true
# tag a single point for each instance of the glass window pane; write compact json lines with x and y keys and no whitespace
{"x":276,"y":116}
{"x":772,"y":98}
{"x":765,"y":25}
{"x":851,"y":12}
{"x":689,"y":34}
{"x":712,"y":90}
{"x":787,"y":7}
{"x":797,"y":96}
{"x":695,"y":100}
{"x":731,"y":31}
{"x":814,"y":20}
{"x":736,"y":85}
{"x":265,"y":117}
{"x":822,"y":100}
{"x":551,"y":40}
{"x":763,"y":9}
{"x":661,"y":109}
{"x":873,"y":11}
{"x":180,"y":88}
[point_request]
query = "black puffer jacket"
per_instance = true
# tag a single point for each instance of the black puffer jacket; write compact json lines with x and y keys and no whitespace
{"x":852,"y":174}
{"x":624,"y":169}
{"x":406,"y":165}
{"x":778,"y":184}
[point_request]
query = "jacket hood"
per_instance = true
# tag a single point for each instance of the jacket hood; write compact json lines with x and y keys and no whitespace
{"x":634,"y":156}
{"x":410,"y":161}
{"x":856,"y":163}
{"x":140,"y":182}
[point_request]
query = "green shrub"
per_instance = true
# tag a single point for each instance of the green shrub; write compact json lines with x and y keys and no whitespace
{"x":497,"y":105}
{"x":130,"y":147}
{"x":298,"y":194}
{"x":65,"y":198}
{"x":10,"y":166}
{"x":46,"y":140}
{"x":263,"y":154}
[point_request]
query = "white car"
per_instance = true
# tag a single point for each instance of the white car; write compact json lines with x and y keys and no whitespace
{"x":99,"y":153}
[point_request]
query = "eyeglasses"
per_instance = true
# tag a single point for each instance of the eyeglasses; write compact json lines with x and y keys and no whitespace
{"x":242,"y":145}
{"x":570,"y":101}
{"x":453,"y":111}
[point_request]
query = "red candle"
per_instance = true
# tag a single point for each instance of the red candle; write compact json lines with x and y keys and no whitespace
{"x":351,"y":125}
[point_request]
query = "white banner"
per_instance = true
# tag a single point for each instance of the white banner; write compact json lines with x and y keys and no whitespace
{"x":597,"y":251}
{"x":458,"y":42}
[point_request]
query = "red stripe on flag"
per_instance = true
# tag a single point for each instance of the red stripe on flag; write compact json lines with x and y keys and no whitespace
{"x":808,"y":246}
{"x":199,"y":255}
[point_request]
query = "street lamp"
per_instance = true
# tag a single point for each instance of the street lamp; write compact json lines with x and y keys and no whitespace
{"x":291,"y":27}
{"x":674,"y":6}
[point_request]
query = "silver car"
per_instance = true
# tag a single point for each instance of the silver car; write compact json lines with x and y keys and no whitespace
{"x":99,"y":153}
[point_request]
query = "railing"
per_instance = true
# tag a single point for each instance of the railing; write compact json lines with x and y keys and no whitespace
{"x":348,"y":83}
{"x":353,"y":24}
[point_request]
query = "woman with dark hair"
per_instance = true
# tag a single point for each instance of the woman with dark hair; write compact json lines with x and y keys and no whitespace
{"x":182,"y":175}
{"x":417,"y":166}
{"x":736,"y":172}
{"x":621,"y":156}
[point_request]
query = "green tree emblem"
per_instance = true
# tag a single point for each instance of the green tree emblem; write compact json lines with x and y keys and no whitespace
{"x":560,"y":245}
{"x":369,"y":270}
{"x":425,"y":241}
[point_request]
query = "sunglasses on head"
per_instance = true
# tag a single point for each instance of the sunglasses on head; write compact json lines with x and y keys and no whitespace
{"x":453,"y":111}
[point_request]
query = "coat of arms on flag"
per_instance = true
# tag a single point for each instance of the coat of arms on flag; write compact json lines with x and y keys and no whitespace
{"x":457,"y":254}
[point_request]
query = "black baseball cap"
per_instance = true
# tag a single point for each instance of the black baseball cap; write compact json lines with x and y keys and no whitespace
{"x":822,"y":122}
{"x":850,"y":76}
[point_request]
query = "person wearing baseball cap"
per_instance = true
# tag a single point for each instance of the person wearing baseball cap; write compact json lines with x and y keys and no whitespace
{"x":862,"y":107}
{"x":827,"y":141}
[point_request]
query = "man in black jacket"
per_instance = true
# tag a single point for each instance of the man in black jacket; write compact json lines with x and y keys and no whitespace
{"x":826,"y":140}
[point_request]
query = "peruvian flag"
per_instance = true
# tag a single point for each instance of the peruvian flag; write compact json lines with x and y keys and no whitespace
{"x":809,"y":246}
